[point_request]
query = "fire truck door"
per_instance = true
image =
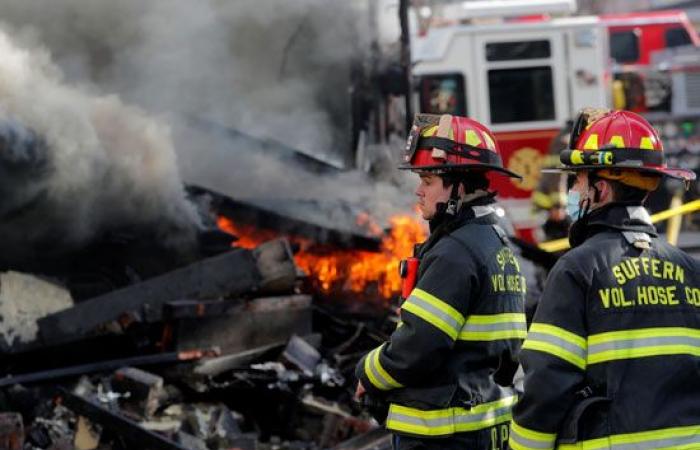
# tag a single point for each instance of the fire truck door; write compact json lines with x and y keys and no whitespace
{"x":523,"y":98}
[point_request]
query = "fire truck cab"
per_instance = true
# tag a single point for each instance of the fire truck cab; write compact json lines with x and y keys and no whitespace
{"x":634,"y":36}
{"x":523,"y":80}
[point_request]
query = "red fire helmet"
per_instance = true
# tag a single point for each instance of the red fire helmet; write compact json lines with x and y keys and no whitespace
{"x":446,"y":143}
{"x":621,"y":145}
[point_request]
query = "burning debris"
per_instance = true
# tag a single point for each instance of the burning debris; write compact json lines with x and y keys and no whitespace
{"x":358,"y":272}
{"x":201,"y":359}
{"x":135,"y":313}
{"x":226,"y":351}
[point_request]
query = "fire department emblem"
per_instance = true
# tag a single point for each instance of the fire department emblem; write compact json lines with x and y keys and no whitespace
{"x":526,"y":162}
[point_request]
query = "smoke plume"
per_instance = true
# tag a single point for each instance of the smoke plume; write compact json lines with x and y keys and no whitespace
{"x":74,"y":164}
{"x":275,"y":70}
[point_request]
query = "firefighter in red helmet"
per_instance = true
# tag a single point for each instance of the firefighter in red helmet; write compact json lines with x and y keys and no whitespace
{"x":611,"y":358}
{"x":446,"y":372}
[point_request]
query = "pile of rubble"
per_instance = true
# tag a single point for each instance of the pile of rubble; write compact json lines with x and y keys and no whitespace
{"x":226,"y":352}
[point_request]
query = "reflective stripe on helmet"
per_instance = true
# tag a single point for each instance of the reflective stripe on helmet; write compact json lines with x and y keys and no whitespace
{"x":628,"y":157}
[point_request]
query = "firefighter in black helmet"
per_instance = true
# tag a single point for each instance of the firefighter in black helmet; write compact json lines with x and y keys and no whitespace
{"x":611,"y":359}
{"x":447,"y":370}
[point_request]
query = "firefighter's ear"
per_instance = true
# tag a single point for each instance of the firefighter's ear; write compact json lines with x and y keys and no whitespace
{"x":603,"y":192}
{"x":461,"y":190}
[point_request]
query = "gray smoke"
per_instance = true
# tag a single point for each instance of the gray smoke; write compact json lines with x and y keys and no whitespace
{"x":273,"y":69}
{"x":74,"y":164}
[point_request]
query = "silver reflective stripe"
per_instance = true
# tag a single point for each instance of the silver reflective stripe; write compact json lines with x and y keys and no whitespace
{"x":376,"y":376}
{"x":384,"y":383}
{"x":483,"y":417}
{"x":522,"y":438}
{"x":422,"y":304}
{"x":529,"y":443}
{"x":464,"y":418}
{"x":668,"y":443}
{"x":687,"y":437}
{"x":625,"y":344}
{"x":428,"y":423}
{"x":548,"y":338}
{"x":503,"y":326}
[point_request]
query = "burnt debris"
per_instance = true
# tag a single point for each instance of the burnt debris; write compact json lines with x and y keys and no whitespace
{"x":123,"y":341}
{"x":228,"y":351}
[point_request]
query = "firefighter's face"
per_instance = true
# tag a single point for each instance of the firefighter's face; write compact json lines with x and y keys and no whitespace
{"x":430,"y":192}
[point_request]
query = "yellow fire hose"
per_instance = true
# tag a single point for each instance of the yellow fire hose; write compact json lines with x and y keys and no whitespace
{"x":673,"y":228}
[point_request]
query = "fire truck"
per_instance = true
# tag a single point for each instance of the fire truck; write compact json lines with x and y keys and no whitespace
{"x":526,"y":77}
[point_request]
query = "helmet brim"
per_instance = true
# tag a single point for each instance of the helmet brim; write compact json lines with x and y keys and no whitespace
{"x":458,"y":167}
{"x":673,"y":172}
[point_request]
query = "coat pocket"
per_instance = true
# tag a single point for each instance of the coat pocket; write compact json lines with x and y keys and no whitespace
{"x":587,"y":418}
{"x":425,"y":398}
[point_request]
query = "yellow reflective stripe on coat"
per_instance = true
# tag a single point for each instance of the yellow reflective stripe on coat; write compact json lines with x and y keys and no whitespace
{"x":448,"y":421}
{"x":643,"y":342}
{"x":377,"y":375}
{"x":522,"y":438}
{"x":434,"y":311}
{"x":558,"y":342}
{"x":493,"y":327}
{"x":676,"y":438}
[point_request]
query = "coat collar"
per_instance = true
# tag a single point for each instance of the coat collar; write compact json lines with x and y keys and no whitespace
{"x":625,"y":217}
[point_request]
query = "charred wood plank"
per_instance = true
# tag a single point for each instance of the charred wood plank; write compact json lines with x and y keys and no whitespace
{"x":231,"y":273}
{"x":212,"y":367}
{"x":103,"y":366}
{"x":191,"y":309}
{"x":301,"y":220}
{"x":123,"y":427}
{"x":264,"y":321}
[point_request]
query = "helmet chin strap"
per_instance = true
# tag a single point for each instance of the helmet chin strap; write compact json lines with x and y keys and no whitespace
{"x":583,"y":212}
{"x":454,"y":201}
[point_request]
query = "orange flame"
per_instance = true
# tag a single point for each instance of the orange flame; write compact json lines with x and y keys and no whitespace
{"x":357,"y":271}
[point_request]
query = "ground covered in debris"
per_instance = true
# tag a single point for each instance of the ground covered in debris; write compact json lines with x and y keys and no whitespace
{"x":227,"y":352}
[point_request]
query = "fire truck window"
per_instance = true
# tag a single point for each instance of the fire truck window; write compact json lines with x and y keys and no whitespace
{"x":624,"y":46}
{"x":521,"y":95}
{"x":677,"y":37}
{"x":443,"y":94}
{"x":508,"y":51}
